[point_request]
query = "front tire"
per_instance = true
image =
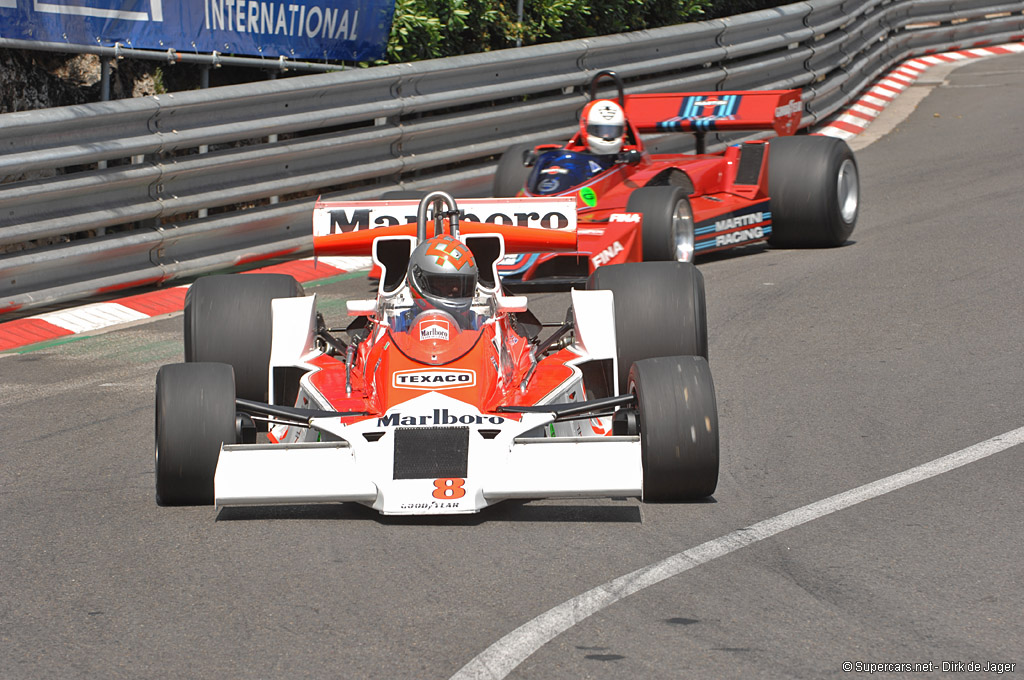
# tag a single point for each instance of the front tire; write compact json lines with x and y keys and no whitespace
{"x":195,"y":414}
{"x":510,"y":176}
{"x":660,"y":310}
{"x":678,"y":418}
{"x":668,"y":223}
{"x":815,"y":192}
{"x":228,"y":320}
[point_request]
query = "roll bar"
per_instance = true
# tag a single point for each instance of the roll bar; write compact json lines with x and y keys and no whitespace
{"x":439,"y":200}
{"x":607,"y":75}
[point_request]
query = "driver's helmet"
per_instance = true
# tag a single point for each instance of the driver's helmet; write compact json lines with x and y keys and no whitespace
{"x":443,"y":274}
{"x":603,"y":125}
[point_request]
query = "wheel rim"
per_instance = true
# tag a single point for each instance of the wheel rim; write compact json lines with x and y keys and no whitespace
{"x":848,"y":191}
{"x":682,"y":231}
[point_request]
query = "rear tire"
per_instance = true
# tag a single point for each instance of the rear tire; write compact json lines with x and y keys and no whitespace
{"x":660,"y":310}
{"x":510,"y":176}
{"x":195,"y":414}
{"x":228,"y":320}
{"x":815,"y":192}
{"x":668,"y":223}
{"x":678,"y":419}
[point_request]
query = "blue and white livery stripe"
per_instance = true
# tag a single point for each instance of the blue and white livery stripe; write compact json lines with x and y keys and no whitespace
{"x":702,"y":112}
{"x":519,"y":265}
{"x":733,"y":229}
{"x":713,"y":243}
{"x":721,"y":223}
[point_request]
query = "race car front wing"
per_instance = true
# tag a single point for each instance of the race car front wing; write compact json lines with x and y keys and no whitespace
{"x":520,"y":467}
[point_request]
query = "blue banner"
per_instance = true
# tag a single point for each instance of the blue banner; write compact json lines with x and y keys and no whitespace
{"x":305,"y":30}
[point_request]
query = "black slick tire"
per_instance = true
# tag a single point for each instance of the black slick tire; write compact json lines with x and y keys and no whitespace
{"x":660,"y":310}
{"x":510,"y":176}
{"x":195,"y":414}
{"x":678,"y":418}
{"x":668,"y":223}
{"x":814,"y":187}
{"x":228,"y":320}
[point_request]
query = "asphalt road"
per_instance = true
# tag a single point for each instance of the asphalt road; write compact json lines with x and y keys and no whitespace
{"x":833,"y":368}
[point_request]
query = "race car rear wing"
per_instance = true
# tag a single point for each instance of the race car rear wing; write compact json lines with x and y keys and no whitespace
{"x":697,"y":112}
{"x":525,"y":224}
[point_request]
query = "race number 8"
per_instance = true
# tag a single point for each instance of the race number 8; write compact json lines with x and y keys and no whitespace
{"x":449,"y":487}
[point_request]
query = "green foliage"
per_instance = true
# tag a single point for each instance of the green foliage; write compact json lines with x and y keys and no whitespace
{"x":414,"y":31}
{"x":728,"y":8}
{"x":426,"y":29}
{"x":158,"y":81}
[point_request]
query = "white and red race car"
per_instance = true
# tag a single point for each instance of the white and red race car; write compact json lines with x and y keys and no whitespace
{"x":418,"y":412}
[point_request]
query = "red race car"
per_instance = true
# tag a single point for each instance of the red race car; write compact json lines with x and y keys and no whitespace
{"x":633,"y":205}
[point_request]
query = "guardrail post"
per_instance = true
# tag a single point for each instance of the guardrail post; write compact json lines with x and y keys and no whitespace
{"x":204,"y":84}
{"x":105,"y":79}
{"x":272,"y":139}
{"x":104,"y":96}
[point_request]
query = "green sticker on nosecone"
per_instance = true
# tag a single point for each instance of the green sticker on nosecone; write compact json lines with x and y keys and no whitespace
{"x":588,"y":196}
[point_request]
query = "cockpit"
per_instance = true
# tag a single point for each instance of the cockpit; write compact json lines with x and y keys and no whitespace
{"x":560,"y":170}
{"x":437,"y":295}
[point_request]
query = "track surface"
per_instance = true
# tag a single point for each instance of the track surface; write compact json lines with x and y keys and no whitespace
{"x":833,"y":368}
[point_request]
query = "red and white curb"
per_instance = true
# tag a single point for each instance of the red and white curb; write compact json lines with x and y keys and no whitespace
{"x":99,"y":315}
{"x":861,"y":113}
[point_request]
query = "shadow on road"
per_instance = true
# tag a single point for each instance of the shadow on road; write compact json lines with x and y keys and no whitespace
{"x":624,"y":511}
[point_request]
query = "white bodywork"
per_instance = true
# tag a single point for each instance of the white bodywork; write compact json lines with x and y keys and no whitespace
{"x":294,"y":327}
{"x":594,"y":318}
{"x":508,"y":455}
{"x":517,"y":462}
{"x":516,"y":459}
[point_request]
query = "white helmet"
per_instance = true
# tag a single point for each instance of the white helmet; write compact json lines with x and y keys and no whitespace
{"x":604,"y":124}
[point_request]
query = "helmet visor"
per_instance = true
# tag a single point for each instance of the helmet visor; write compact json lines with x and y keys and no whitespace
{"x":604,"y":131}
{"x":449,"y":286}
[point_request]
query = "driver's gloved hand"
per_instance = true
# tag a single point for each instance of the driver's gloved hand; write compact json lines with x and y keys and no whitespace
{"x":631,"y":157}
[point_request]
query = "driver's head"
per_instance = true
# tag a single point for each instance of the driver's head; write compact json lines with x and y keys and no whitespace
{"x":603,"y":124}
{"x":443,"y":274}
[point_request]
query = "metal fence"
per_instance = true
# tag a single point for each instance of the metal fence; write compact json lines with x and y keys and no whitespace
{"x":112,"y":195}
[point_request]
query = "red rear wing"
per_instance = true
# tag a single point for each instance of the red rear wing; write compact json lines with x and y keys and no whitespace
{"x":526,"y":224}
{"x":778,"y":110}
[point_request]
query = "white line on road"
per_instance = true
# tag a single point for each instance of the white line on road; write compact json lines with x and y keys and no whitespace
{"x":501,"y":658}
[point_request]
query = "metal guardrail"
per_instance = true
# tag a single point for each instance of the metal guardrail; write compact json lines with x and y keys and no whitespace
{"x":278,"y":64}
{"x":126,"y":193}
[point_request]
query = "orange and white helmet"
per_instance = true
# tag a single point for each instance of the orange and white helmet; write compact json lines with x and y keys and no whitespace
{"x":443,"y":274}
{"x":603,"y":125}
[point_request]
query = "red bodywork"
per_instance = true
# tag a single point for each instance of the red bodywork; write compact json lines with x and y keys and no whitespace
{"x":393,"y":365}
{"x":726,"y":202}
{"x":378,"y":390}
